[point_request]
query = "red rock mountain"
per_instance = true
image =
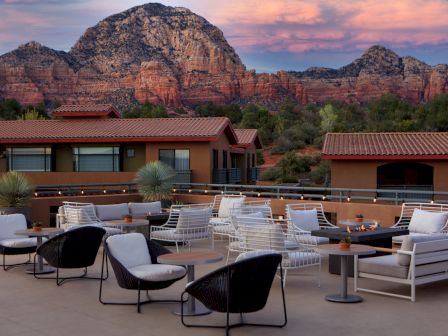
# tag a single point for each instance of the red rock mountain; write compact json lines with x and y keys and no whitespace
{"x":172,"y":56}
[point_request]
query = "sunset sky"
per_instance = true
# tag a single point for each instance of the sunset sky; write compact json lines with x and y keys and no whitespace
{"x":268,"y":35}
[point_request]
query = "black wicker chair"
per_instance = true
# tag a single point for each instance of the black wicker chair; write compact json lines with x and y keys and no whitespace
{"x":241,"y":287}
{"x":127,"y":280}
{"x":9,"y":224}
{"x":76,"y":248}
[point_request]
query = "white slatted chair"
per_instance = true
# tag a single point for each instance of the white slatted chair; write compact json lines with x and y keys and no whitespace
{"x":261,"y":234}
{"x":420,"y":260}
{"x":221,"y":207}
{"x":75,"y":214}
{"x":186,"y":223}
{"x":422,"y":219}
{"x":227,"y":228}
{"x":304,"y":218}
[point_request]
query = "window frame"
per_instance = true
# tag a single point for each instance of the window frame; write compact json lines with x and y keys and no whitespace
{"x":47,"y":155}
{"x":116,"y":158}
{"x":174,"y":157}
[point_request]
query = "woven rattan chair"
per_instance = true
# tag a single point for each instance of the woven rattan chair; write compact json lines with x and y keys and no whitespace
{"x":134,"y":261}
{"x":10,"y":243}
{"x":76,"y":248}
{"x":239,"y":288}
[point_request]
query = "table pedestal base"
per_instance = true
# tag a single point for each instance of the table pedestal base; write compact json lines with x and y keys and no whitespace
{"x":43,"y":270}
{"x":199,"y":309}
{"x":343,"y":299}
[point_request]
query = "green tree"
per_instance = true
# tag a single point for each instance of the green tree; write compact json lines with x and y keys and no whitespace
{"x":32,"y":114}
{"x":328,"y":118}
{"x":292,"y":165}
{"x":147,"y":110}
{"x":10,"y":109}
{"x":208,"y":109}
{"x":257,"y":117}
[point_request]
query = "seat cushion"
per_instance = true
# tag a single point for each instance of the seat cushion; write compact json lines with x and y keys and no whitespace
{"x":192,"y":220}
{"x":157,"y":272}
{"x":129,"y":249}
{"x":262,"y":237}
{"x":427,"y":221}
{"x":9,"y":224}
{"x":311,"y":240}
{"x":291,"y":244}
{"x":224,"y":229}
{"x":112,"y":211}
{"x":304,"y":219}
{"x":143,"y":209}
{"x":252,"y":254}
{"x":383,"y":265}
{"x":399,"y":239}
{"x":410,"y":240}
{"x":228,"y":203}
{"x":80,"y":214}
{"x":174,"y":235}
{"x":19,"y":242}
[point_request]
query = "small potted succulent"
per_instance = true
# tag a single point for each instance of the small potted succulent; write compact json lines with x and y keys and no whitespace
{"x":37,"y":226}
{"x":359,"y":218}
{"x":127,"y":218}
{"x":345,"y":243}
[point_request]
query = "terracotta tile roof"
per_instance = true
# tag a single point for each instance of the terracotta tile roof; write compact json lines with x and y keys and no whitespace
{"x":416,"y":144}
{"x":109,"y":130}
{"x":87,"y":110}
{"x":247,"y":136}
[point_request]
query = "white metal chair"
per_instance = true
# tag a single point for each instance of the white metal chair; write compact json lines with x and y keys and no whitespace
{"x":262,"y":234}
{"x":221,"y":207}
{"x":305,"y":217}
{"x":186,"y":223}
{"x":422,"y":219}
{"x":75,"y":214}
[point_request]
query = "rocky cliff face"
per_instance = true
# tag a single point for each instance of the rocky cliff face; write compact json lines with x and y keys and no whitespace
{"x":172,"y":56}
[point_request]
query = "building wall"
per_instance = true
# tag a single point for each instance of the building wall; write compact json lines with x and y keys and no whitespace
{"x":200,"y":157}
{"x":64,"y":157}
{"x":221,"y":144}
{"x":56,"y":178}
{"x":133,"y":164}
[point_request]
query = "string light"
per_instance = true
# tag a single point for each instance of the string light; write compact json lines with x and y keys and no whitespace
{"x":124,"y":190}
{"x":189,"y":190}
{"x":259,"y":194}
{"x":36,"y":194}
{"x":82,"y":192}
{"x":174,"y":190}
{"x":374,"y":199}
{"x":104,"y":191}
{"x":222,"y":192}
{"x":205,"y":191}
{"x":60,"y":192}
{"x":302,"y":197}
{"x":348,"y":198}
{"x":282,"y":198}
{"x":323,"y":198}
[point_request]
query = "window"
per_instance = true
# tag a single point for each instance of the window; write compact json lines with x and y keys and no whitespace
{"x":96,"y":159}
{"x":29,"y":159}
{"x":179,"y":159}
{"x":215,"y":159}
{"x":224,"y":159}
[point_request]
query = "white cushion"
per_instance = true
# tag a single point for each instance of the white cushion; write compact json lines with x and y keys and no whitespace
{"x":304,"y":219}
{"x":262,"y":237}
{"x":219,"y":221}
{"x":111,"y":211}
{"x":427,"y":221}
{"x":228,"y":203}
{"x":174,"y":235}
{"x":252,"y":254}
{"x":143,"y":209}
{"x":409,"y":241}
{"x":311,"y":240}
{"x":157,"y":272}
{"x":19,"y":242}
{"x":224,"y":229}
{"x":192,"y":220}
{"x":256,"y":218}
{"x":129,"y":249}
{"x":9,"y":224}
{"x":83,"y":214}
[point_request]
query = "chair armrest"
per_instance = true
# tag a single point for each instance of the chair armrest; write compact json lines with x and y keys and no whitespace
{"x":384,"y":249}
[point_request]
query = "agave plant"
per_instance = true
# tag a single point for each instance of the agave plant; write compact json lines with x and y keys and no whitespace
{"x":154,"y":181}
{"x":15,"y":190}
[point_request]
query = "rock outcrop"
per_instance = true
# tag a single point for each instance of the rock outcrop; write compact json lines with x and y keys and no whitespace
{"x":172,"y":56}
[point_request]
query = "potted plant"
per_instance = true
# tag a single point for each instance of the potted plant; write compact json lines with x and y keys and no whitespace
{"x":37,"y":226}
{"x":127,"y":218}
{"x":155,"y":182}
{"x":345,"y":243}
{"x":359,"y":218}
{"x":16,"y":193}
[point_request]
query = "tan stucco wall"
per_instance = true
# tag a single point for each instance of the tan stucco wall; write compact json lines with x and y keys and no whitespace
{"x":133,"y":164}
{"x":200,"y":157}
{"x":53,"y":178}
{"x":64,"y":158}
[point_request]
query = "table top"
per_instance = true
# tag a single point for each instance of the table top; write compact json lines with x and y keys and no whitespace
{"x":190,"y":258}
{"x":355,"y":249}
{"x":120,"y":222}
{"x":364,"y":236}
{"x":354,"y":222}
{"x":44,"y":233}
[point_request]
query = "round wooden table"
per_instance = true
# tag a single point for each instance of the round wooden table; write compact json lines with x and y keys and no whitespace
{"x":46,"y":232}
{"x":190,"y":259}
{"x":355,"y":249}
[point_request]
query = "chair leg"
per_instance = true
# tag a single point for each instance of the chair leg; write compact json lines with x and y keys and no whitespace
{"x":138,"y":297}
{"x":8,"y":267}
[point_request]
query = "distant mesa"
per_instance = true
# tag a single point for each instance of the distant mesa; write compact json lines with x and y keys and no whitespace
{"x":171,"y":56}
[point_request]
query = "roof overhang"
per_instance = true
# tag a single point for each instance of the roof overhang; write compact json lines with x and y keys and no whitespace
{"x":106,"y":140}
{"x":384,"y":157}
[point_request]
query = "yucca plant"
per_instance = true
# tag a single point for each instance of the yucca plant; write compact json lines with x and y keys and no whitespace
{"x":154,"y":181}
{"x":15,"y":190}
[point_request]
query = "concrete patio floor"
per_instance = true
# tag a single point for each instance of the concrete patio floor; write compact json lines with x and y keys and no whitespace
{"x":38,"y":307}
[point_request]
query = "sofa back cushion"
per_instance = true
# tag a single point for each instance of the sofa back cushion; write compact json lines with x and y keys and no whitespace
{"x":111,"y":211}
{"x":80,"y":214}
{"x":408,"y":245}
{"x":9,"y":224}
{"x":423,"y":221}
{"x":228,"y":203}
{"x":262,"y":237}
{"x":143,"y":209}
{"x":304,"y":219}
{"x":129,"y":249}
{"x":193,"y":220}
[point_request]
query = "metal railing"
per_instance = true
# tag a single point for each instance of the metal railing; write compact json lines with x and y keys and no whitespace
{"x":253,"y":174}
{"x":230,"y":175}
{"x":183,"y":176}
{"x":84,"y":189}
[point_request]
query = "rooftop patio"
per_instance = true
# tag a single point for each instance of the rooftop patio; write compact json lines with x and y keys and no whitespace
{"x":39,"y":307}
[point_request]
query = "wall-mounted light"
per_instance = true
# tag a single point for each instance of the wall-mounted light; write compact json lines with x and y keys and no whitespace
{"x":36,"y":194}
{"x":302,"y":197}
{"x":205,"y":191}
{"x":60,"y":192}
{"x":174,"y":190}
{"x":82,"y":192}
{"x":323,"y":198}
{"x":124,"y":190}
{"x":189,"y":190}
{"x":349,"y":198}
{"x":259,"y":194}
{"x":104,"y":191}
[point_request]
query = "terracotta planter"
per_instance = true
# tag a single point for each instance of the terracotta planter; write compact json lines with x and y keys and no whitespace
{"x":37,"y":228}
{"x":344,"y":246}
{"x":359,"y":220}
{"x":128,"y":220}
